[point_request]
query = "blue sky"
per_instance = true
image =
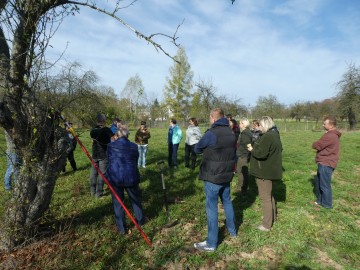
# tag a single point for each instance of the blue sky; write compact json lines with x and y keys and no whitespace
{"x":296,"y":50}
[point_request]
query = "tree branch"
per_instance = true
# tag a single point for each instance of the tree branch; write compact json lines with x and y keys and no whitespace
{"x":140,"y":35}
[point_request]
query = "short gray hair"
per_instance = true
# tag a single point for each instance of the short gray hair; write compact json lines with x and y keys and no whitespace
{"x":122,"y":131}
{"x":101,"y":118}
{"x":266,"y":122}
{"x":245,"y":122}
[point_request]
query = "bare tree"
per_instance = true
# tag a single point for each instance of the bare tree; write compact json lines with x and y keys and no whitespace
{"x":26,"y":29}
{"x":349,"y":95}
{"x":203,"y":100}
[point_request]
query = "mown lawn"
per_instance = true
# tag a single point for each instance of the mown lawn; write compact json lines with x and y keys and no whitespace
{"x":83,"y":234}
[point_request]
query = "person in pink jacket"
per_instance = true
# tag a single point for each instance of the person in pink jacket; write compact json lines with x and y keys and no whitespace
{"x":327,"y":157}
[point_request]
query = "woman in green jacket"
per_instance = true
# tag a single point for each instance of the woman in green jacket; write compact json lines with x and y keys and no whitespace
{"x":266,"y":166}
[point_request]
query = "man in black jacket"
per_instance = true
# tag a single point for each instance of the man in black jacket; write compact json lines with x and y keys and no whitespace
{"x":101,"y":136}
{"x":216,"y":170}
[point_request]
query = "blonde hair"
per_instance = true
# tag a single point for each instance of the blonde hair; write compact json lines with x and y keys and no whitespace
{"x":245,"y":122}
{"x":122,"y":131}
{"x":266,"y":122}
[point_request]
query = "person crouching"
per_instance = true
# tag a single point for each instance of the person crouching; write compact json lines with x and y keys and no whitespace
{"x":123,"y":174}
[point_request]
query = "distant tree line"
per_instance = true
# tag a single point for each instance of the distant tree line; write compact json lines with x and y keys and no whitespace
{"x":81,"y":98}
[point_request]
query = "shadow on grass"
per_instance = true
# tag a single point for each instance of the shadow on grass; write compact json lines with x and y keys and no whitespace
{"x":279,"y":191}
{"x":312,"y":183}
{"x":242,"y":202}
{"x":179,"y":184}
{"x":291,"y":267}
{"x":70,"y":171}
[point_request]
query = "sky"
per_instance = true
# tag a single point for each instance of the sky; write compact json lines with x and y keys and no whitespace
{"x":296,"y":50}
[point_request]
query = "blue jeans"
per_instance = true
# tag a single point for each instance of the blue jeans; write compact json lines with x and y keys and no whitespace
{"x":322,"y":184}
{"x":172,"y":154}
{"x":142,"y":155}
{"x":96,"y":181}
{"x":13,"y":163}
{"x":212,"y":192}
{"x":135,"y":197}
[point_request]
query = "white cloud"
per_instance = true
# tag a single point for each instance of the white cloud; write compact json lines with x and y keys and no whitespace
{"x":299,"y":10}
{"x":240,"y":47}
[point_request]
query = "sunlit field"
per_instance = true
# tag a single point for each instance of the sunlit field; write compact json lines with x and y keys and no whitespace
{"x":79,"y":231}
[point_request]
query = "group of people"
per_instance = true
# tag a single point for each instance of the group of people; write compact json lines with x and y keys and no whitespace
{"x":219,"y":146}
{"x":193,"y":135}
{"x":223,"y":149}
{"x":226,"y":145}
{"x":262,"y":149}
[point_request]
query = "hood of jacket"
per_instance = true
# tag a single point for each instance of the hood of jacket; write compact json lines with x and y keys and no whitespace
{"x":220,"y":122}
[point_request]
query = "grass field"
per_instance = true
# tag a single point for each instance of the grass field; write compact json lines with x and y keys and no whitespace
{"x":83,"y":234}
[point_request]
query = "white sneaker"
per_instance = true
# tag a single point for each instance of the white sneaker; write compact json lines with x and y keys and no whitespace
{"x":262,"y":228}
{"x":203,"y":247}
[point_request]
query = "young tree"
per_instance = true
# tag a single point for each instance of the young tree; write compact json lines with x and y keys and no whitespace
{"x":32,"y":123}
{"x":349,"y":95}
{"x":134,"y":94}
{"x":177,"y":91}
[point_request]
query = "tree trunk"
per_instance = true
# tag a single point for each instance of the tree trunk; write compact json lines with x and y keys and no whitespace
{"x":352,"y":119}
{"x":32,"y":192}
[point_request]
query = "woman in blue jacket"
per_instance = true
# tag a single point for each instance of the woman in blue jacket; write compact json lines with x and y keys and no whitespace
{"x":123,"y":174}
{"x":174,"y":138}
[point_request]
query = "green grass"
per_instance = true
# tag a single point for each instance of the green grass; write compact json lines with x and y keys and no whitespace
{"x":302,"y":238}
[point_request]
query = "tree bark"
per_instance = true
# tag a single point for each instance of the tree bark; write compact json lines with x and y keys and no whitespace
{"x":352,"y":119}
{"x":40,"y":141}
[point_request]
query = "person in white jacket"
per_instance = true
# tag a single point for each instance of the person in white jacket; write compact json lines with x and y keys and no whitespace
{"x":193,"y":136}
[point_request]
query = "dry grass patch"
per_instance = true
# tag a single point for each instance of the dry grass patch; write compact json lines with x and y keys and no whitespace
{"x":326,"y":261}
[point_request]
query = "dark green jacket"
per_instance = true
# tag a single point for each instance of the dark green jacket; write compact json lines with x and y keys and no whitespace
{"x":245,"y":138}
{"x":266,"y":160}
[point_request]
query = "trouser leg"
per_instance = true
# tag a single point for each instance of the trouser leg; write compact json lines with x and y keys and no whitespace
{"x":174,"y":154}
{"x":103,"y":164}
{"x":135,"y":197}
{"x":228,"y":209}
{"x":187,"y":154}
{"x":118,"y":210}
{"x":170,"y":154}
{"x":268,"y":202}
{"x":193,"y":156}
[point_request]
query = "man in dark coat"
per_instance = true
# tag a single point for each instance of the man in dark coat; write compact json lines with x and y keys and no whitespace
{"x":101,"y":136}
{"x":216,"y":170}
{"x":123,"y":175}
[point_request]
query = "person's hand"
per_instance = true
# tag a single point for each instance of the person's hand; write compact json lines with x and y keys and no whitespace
{"x":249,"y":147}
